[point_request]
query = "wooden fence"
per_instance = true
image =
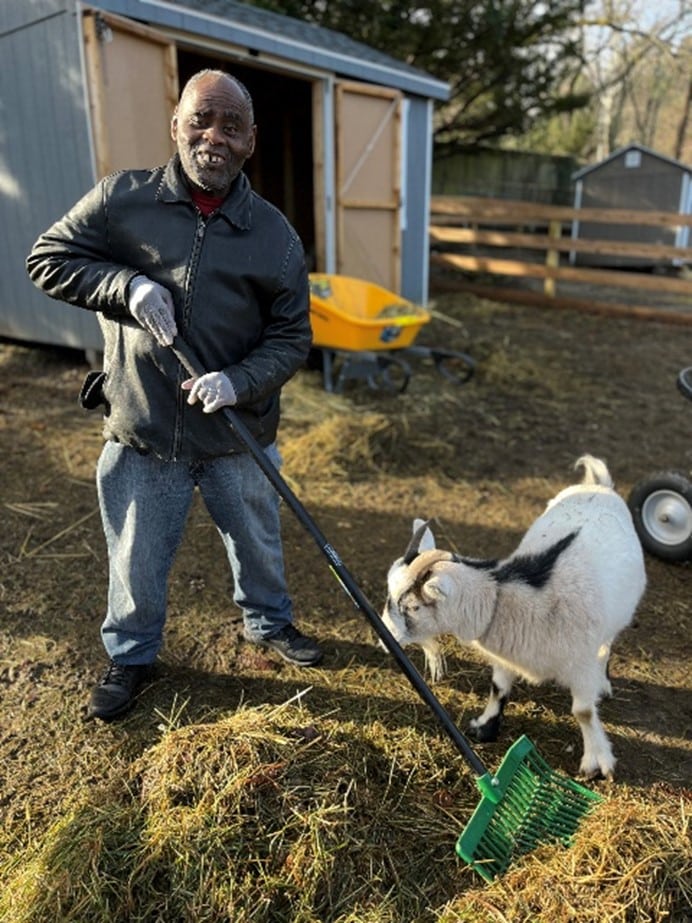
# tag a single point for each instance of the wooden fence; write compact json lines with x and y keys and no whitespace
{"x":484,"y":238}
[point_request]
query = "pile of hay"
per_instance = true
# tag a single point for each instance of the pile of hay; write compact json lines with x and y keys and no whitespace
{"x":270,"y":815}
{"x":325,"y":436}
{"x":630,"y":863}
{"x":341,"y":446}
{"x":276,"y":815}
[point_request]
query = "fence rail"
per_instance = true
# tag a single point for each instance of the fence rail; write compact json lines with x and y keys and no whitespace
{"x":513,"y":234}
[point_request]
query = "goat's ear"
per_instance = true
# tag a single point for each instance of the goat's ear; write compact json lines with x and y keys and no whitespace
{"x":415,"y":545}
{"x":437,"y":587}
{"x":427,"y":542}
{"x":423,"y":532}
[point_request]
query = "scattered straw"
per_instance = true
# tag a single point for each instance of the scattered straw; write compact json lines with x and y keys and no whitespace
{"x":30,"y":553}
{"x":276,"y":815}
{"x":34,"y":510}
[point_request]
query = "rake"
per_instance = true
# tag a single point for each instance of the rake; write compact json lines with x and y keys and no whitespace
{"x":525,"y":804}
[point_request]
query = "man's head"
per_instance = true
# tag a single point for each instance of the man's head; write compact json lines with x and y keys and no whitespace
{"x":213,"y":127}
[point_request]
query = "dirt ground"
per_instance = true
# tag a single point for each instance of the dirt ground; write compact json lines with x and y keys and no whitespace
{"x":481,"y":459}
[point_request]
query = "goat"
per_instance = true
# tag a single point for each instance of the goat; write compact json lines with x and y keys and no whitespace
{"x":549,"y":611}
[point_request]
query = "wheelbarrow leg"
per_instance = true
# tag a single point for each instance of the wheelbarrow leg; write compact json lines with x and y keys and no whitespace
{"x":328,"y":370}
{"x":376,"y":369}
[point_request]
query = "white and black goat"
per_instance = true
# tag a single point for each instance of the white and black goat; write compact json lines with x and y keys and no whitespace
{"x":550,"y":611}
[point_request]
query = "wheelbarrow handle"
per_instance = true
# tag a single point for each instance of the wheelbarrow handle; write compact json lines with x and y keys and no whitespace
{"x":191,"y":363}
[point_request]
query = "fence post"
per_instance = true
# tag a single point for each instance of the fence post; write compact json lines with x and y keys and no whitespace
{"x":552,"y":257}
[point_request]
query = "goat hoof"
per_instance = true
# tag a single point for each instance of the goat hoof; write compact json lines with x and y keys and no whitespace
{"x":595,"y":775}
{"x":485,"y":733}
{"x":591,"y":776}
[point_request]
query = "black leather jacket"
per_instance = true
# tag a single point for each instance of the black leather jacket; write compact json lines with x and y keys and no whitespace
{"x":240,"y":288}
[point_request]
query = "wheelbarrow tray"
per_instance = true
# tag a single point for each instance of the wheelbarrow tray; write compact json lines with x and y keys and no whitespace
{"x":352,"y":314}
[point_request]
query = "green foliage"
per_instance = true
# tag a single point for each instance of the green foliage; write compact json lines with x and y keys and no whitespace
{"x":562,"y":134}
{"x":507,"y":62}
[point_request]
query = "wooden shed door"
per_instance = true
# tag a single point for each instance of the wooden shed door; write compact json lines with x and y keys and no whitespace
{"x":133,"y":89}
{"x":368,"y":168}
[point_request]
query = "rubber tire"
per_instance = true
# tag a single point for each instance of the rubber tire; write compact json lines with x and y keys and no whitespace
{"x":646,"y":502}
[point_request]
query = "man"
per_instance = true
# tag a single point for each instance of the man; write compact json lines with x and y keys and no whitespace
{"x":187,"y":248}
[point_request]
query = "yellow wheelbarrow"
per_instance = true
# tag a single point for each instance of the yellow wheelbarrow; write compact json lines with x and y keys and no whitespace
{"x":365,"y":332}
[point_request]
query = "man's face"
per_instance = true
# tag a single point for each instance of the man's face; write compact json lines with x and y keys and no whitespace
{"x":213,"y":130}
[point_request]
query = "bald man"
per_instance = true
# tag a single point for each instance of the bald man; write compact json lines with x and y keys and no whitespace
{"x":186,"y":248}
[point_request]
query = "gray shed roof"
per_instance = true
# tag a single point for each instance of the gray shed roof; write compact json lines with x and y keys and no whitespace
{"x":631,"y":147}
{"x":276,"y":34}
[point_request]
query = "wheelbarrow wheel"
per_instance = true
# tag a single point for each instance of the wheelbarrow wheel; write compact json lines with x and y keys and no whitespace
{"x":661,"y":507}
{"x":393,"y":375}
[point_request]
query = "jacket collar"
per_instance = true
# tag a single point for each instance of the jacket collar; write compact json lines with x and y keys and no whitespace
{"x":236,"y":208}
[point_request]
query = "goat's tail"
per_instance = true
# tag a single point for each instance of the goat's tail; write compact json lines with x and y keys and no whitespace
{"x":595,"y":471}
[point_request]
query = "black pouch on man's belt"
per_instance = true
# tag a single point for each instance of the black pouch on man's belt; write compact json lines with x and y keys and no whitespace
{"x":91,"y":395}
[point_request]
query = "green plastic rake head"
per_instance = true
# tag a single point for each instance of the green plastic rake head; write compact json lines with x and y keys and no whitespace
{"x":525,"y":805}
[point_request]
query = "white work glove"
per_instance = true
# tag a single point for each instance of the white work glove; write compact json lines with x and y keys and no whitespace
{"x":152,"y":306}
{"x":214,"y":389}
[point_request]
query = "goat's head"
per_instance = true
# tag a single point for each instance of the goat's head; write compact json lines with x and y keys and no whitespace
{"x":415,"y":588}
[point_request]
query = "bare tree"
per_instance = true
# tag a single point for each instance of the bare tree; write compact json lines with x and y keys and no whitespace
{"x":683,"y":125}
{"x":637,"y":62}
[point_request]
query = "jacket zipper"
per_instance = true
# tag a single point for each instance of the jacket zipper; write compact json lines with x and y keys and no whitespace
{"x":190,"y":281}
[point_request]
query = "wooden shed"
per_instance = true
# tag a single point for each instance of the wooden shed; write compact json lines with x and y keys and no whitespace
{"x":344,"y":142}
{"x":632,"y":177}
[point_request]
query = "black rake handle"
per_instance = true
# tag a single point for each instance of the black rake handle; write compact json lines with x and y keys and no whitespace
{"x":192,"y":365}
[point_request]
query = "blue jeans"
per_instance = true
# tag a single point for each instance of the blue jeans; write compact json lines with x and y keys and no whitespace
{"x":144,"y":507}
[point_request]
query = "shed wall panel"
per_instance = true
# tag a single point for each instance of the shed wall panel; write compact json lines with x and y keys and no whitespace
{"x":45,"y":166}
{"x":654,"y":184}
{"x":416,"y":180}
{"x":17,"y":14}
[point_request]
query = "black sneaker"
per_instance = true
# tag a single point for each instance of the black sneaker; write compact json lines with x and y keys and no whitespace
{"x":116,"y":692}
{"x":292,"y":645}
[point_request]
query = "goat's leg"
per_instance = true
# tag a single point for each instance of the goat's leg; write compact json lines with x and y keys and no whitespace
{"x":604,"y":659}
{"x":486,"y":727}
{"x":598,"y":756}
